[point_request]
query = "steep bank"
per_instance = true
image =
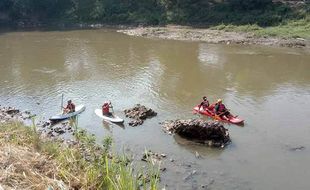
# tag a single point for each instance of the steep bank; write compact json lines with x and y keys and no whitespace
{"x":214,"y":36}
{"x":29,"y":160}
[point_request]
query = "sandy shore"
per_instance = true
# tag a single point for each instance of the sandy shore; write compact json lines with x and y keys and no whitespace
{"x":213,"y":36}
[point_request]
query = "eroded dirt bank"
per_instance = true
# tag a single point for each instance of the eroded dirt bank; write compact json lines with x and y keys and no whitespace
{"x":213,"y":36}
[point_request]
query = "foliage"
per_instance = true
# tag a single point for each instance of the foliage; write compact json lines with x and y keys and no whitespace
{"x":84,"y":164}
{"x":154,"y":12}
{"x":262,"y":17}
{"x":289,"y":29}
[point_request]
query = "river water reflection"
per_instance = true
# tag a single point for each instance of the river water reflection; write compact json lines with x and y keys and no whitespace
{"x":269,"y":87}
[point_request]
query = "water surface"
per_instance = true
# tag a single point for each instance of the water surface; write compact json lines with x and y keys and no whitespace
{"x":268,"y":87}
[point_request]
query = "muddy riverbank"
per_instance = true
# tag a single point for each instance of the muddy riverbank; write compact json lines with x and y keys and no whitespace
{"x":46,"y":141}
{"x":213,"y":36}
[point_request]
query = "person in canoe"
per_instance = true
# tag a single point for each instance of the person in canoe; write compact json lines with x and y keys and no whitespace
{"x":221,"y":110}
{"x":69,"y":108}
{"x":106,"y":108}
{"x":205,"y":104}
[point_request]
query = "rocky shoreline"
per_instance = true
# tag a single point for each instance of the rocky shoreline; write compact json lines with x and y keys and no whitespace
{"x":9,"y":114}
{"x":212,"y":134}
{"x":213,"y":36}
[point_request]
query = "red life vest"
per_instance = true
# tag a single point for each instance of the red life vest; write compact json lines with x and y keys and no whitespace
{"x":105,"y":108}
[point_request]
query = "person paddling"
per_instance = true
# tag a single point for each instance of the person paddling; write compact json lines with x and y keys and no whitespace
{"x":69,"y":108}
{"x":204,"y":104}
{"x":221,"y":110}
{"x":106,"y":108}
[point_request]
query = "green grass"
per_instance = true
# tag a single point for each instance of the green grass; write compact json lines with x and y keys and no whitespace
{"x":85,"y":165}
{"x":288,"y":29}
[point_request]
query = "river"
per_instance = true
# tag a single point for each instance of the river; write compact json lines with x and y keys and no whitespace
{"x":268,"y":87}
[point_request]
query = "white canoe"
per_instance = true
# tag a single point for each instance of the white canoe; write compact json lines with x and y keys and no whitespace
{"x":113,"y":118}
{"x":78,"y":109}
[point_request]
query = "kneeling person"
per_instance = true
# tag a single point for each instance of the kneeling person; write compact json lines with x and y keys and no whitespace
{"x":204,"y":104}
{"x":106,"y":108}
{"x":69,"y":108}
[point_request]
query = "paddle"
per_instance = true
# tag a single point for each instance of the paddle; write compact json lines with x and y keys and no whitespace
{"x":220,"y":115}
{"x":223,"y":113}
{"x":111,"y":107}
{"x":62,"y":102}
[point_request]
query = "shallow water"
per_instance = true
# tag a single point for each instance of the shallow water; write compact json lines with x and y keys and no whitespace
{"x":268,"y":87}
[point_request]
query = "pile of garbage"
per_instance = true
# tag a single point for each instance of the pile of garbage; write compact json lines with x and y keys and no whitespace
{"x":210,"y":133}
{"x":139,"y":113}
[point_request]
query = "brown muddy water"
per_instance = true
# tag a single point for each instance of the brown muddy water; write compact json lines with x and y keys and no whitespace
{"x":268,"y":87}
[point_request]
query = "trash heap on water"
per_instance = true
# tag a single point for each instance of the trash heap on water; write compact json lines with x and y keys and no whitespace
{"x":139,"y":113}
{"x":210,"y":133}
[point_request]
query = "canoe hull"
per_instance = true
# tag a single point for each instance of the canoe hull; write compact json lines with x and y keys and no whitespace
{"x":233,"y":120}
{"x":113,"y":119}
{"x":79,"y":109}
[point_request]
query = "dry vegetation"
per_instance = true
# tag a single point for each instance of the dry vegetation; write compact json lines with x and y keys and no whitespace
{"x":30,"y":161}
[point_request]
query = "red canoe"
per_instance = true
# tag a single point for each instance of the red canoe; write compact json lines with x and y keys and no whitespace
{"x":232,"y":119}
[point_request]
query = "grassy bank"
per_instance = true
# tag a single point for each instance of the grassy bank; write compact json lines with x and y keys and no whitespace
{"x":288,"y":29}
{"x":30,"y":161}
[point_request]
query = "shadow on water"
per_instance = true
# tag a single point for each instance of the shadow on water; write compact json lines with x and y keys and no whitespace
{"x":108,"y":125}
{"x":197,"y":148}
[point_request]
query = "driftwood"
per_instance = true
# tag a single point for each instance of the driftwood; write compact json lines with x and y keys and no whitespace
{"x":210,"y":133}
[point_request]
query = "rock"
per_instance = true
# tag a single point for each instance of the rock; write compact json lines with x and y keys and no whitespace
{"x":9,"y":114}
{"x":12,"y":111}
{"x":139,"y":113}
{"x":210,"y":133}
{"x":134,"y":123}
{"x":299,"y":148}
{"x":59,"y":130}
{"x":152,"y":156}
{"x":43,"y":124}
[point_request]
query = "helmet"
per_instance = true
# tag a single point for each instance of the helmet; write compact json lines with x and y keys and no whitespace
{"x":219,"y":100}
{"x":204,"y":98}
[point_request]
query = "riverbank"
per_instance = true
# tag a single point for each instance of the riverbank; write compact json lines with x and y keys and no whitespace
{"x":216,"y":36}
{"x":32,"y":160}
